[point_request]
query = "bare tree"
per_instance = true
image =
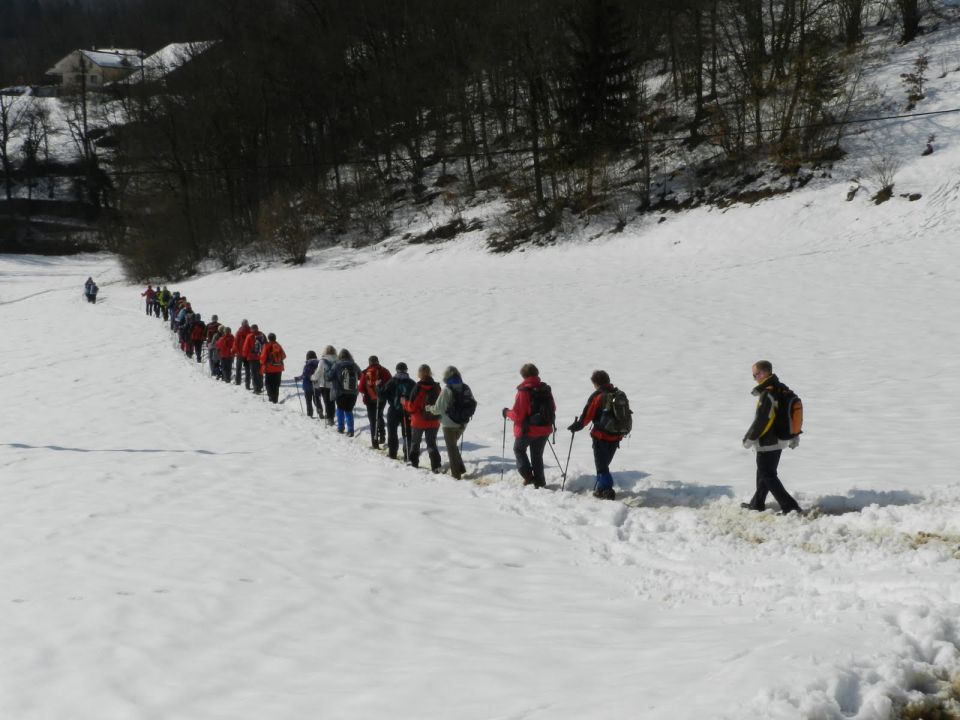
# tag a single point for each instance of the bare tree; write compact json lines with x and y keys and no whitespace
{"x":13,"y":115}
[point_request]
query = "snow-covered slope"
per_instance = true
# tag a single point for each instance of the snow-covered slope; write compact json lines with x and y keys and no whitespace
{"x":175,"y":548}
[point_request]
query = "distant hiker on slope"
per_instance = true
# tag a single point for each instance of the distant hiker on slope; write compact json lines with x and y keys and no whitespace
{"x":424,"y":425}
{"x":533,"y":414}
{"x":309,"y":368}
{"x":271,"y":362}
{"x":252,"y":349}
{"x":371,"y":379}
{"x":455,"y":406}
{"x":242,"y":364}
{"x":768,"y":435}
{"x":213,"y":334}
{"x":394,"y":392}
{"x":90,"y":290}
{"x":165,"y":297}
{"x":322,"y":385}
{"x":225,"y":349}
{"x":344,"y":379}
{"x":149,"y":294}
{"x":607,"y":408}
{"x":198,"y":331}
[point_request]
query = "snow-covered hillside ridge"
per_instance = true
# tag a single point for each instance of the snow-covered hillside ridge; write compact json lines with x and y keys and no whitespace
{"x":177,"y":548}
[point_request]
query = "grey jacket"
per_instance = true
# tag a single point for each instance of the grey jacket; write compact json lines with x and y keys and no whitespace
{"x":319,"y":378}
{"x":440,"y":408}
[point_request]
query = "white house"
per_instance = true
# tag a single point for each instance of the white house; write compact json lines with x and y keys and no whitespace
{"x":95,"y":68}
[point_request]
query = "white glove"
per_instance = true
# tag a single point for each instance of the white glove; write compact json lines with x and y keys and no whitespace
{"x":748,"y":444}
{"x":794,"y":441}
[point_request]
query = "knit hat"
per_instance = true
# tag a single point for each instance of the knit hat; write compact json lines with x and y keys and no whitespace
{"x":401,"y":367}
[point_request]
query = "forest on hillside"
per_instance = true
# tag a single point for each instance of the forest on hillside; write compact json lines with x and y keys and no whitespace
{"x":314,"y":120}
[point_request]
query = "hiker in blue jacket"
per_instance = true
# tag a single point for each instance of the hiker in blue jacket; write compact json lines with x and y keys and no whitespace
{"x":312,"y":397}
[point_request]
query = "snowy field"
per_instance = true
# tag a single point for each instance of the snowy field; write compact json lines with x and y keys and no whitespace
{"x":174,"y":548}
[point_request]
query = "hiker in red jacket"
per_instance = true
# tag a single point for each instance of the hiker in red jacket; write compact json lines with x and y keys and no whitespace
{"x":149,"y":294}
{"x":271,"y":361}
{"x":605,"y":443}
{"x":533,"y":414}
{"x":226,"y":349}
{"x":252,"y":347}
{"x":242,"y":364}
{"x":198,"y":332}
{"x":422,"y":424}
{"x":371,"y":380}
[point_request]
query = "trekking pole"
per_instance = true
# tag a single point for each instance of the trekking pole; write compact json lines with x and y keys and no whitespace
{"x":569,"y":453}
{"x":503,"y":449}
{"x":550,"y":445}
{"x":299,"y":399}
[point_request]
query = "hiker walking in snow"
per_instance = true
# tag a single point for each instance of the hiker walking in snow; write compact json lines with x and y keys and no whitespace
{"x":242,"y":365}
{"x":165,"y":296}
{"x":607,"y":408}
{"x":394,"y":392}
{"x":252,"y":349}
{"x":533,"y":414}
{"x":225,"y":349}
{"x":423,"y":424}
{"x":198,"y":331}
{"x":90,"y":290}
{"x":371,"y":379}
{"x":455,"y":406}
{"x":309,"y":368}
{"x":149,"y":294}
{"x":271,"y":362}
{"x":765,"y":436}
{"x":321,"y":385}
{"x":344,"y":379}
{"x":214,"y":333}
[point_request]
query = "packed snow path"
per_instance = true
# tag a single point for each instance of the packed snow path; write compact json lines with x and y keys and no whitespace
{"x":177,"y":548}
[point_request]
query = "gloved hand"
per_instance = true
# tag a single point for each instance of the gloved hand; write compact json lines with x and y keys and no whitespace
{"x":504,"y":412}
{"x":794,"y":441}
{"x":575,"y":426}
{"x":748,"y":443}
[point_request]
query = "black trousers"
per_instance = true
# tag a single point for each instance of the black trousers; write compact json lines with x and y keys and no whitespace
{"x":272,"y":383}
{"x":328,"y":406}
{"x":769,"y":482}
{"x":241,"y":364}
{"x":429,"y":435}
{"x":226,"y":366}
{"x":375,"y":416}
{"x":530,"y":469}
{"x":312,"y":396}
{"x":254,"y":367}
{"x":198,"y":349}
{"x":398,"y":426}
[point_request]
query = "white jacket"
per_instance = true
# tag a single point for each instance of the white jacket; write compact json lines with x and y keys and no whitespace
{"x":319,"y":378}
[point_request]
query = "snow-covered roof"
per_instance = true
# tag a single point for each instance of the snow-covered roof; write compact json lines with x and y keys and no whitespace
{"x":114,"y":58}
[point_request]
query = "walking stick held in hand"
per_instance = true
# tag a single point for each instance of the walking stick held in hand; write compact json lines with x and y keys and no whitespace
{"x":503,"y":450}
{"x":569,"y":453}
{"x":299,"y":399}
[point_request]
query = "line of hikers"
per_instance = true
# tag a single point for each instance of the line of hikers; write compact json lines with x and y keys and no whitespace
{"x":400,"y":408}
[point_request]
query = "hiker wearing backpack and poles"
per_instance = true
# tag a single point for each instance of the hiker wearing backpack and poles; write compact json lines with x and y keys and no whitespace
{"x":321,"y":385}
{"x":271,"y":362}
{"x":609,"y":411}
{"x":394,"y":392}
{"x":533,"y":414}
{"x":309,"y":368}
{"x":370,"y":380}
{"x":424,"y":425}
{"x":777,"y":424}
{"x":344,"y":377}
{"x":455,"y":406}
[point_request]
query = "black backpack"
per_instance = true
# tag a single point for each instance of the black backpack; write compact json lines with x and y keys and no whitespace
{"x":402,"y":390}
{"x":259,"y":341}
{"x":788,"y":421}
{"x":349,"y":379}
{"x":542,"y":412}
{"x":463,"y":405}
{"x":615,"y":416}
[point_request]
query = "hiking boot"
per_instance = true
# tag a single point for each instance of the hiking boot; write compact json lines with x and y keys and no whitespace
{"x":349,"y":433}
{"x":340,"y":430}
{"x":606,"y":494}
{"x":539,"y":484}
{"x":748,"y":506}
{"x":330,"y":421}
{"x":376,"y":445}
{"x":796,"y":510}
